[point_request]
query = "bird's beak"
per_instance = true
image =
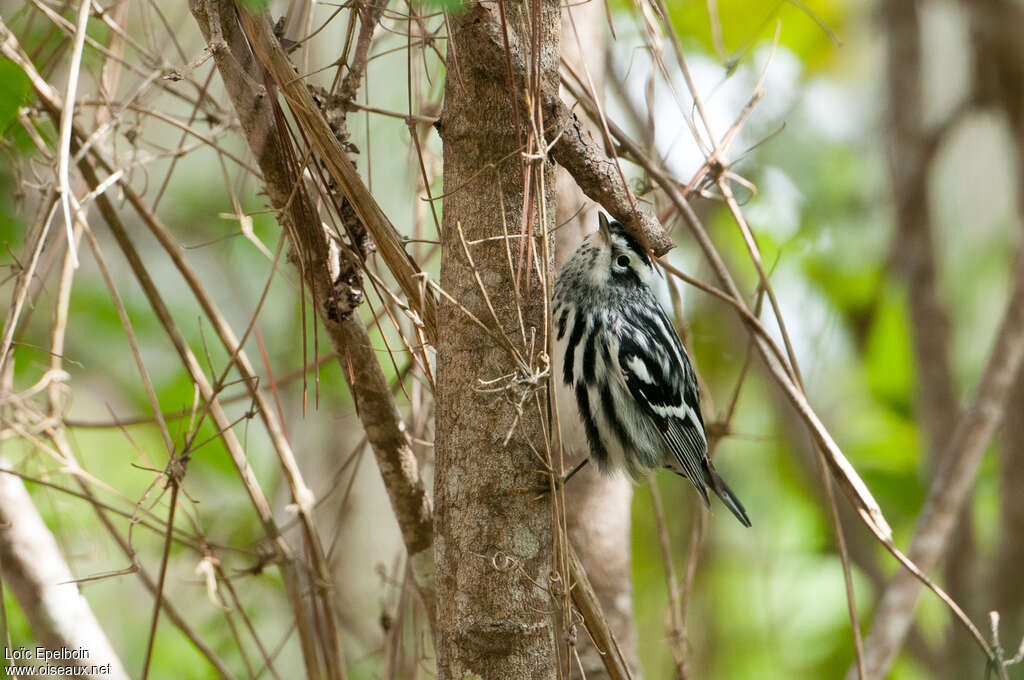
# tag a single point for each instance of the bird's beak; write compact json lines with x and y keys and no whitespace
{"x":603,"y":232}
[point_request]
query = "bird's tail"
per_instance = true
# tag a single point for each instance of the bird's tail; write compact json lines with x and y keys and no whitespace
{"x":723,"y":491}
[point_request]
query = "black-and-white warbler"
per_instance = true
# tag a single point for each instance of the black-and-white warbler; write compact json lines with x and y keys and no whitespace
{"x":625,"y":388}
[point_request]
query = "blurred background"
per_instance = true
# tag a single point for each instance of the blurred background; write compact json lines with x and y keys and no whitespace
{"x":885,"y":191}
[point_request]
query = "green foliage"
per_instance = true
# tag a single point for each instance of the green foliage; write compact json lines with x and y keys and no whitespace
{"x":428,"y":6}
{"x":888,"y":355}
{"x":255,"y":6}
{"x":14,"y":91}
{"x":806,"y":26}
{"x":16,"y":623}
{"x":850,"y":290}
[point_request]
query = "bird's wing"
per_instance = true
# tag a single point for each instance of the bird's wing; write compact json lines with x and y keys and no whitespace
{"x":659,"y":377}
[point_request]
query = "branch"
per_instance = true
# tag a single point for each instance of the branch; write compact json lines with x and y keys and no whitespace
{"x":370,"y":12}
{"x":585,"y":599}
{"x":386,"y":433}
{"x":912,"y":151}
{"x":597,"y":176}
{"x":257,"y":122}
{"x":913,"y":250}
{"x":998,"y":70}
{"x":572,"y":147}
{"x":375,"y":404}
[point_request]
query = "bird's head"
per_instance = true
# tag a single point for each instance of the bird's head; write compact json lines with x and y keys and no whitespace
{"x":618,"y":258}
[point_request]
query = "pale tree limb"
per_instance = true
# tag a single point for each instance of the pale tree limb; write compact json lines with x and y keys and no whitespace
{"x":32,"y":566}
{"x":68,"y":115}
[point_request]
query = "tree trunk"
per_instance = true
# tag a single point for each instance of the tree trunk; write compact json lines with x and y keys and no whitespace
{"x":492,"y":541}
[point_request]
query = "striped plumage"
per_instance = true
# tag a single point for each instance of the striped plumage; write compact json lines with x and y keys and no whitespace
{"x":625,"y":388}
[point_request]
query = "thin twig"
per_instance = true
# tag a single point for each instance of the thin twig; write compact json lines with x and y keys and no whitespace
{"x":67,"y":116}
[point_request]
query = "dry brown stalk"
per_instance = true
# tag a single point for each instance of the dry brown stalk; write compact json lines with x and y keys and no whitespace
{"x":390,"y":244}
{"x":52,"y":101}
{"x":224,"y":426}
{"x":376,"y":407}
{"x":53,"y":104}
{"x":585,"y":599}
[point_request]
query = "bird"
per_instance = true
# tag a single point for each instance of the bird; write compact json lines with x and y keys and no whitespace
{"x":625,"y":388}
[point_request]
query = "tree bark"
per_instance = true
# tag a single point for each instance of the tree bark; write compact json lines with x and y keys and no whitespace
{"x":493,"y":542}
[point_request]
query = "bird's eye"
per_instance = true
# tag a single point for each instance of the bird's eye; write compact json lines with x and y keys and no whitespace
{"x":622,"y":260}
